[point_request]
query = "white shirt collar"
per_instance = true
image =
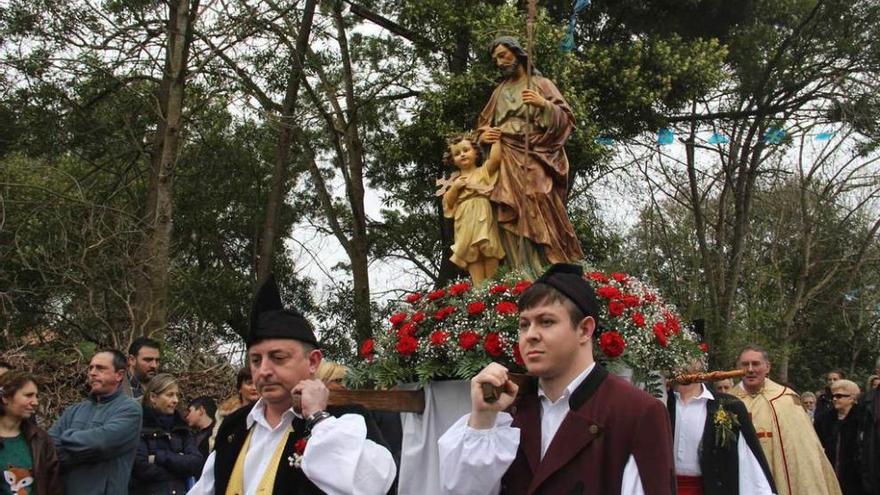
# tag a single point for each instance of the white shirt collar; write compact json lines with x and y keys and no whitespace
{"x":705,"y":394}
{"x":258,"y":415}
{"x":572,"y":386}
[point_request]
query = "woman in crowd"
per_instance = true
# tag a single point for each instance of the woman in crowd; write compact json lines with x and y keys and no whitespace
{"x":872,"y":382}
{"x":808,"y":399}
{"x":27,"y":456}
{"x":168,"y":454}
{"x":246,"y":394}
{"x":838,"y":432}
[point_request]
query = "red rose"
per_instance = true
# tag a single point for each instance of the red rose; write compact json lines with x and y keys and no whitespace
{"x":498,"y":289}
{"x":608,"y":292}
{"x":443,"y":312}
{"x":493,"y":344}
{"x":407,"y":345}
{"x":366,"y":351}
{"x":437,"y":294}
{"x":476,"y":308}
{"x":660,"y":333}
{"x":672,"y":323}
{"x":506,"y":308}
{"x":597,"y":277}
{"x":704,"y":347}
{"x":521,"y":286}
{"x":650,"y":297}
{"x":517,"y":356}
{"x":612,"y":344}
{"x":408,"y":329}
{"x":638,"y":319}
{"x":615,"y":308}
{"x":413,"y":298}
{"x":418,"y":317}
{"x":459,"y":289}
{"x":620,"y":277}
{"x":397,"y":319}
{"x":468,"y":339}
{"x":300,"y":446}
{"x":631,"y":301}
{"x":439,"y":337}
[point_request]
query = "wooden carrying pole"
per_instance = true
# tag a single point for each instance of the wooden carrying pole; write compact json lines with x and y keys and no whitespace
{"x":711,"y":376}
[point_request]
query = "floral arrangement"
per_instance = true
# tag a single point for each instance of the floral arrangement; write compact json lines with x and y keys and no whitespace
{"x":453,"y":332}
{"x":726,"y":426}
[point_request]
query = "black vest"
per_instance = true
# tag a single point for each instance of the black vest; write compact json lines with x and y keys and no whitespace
{"x":720,"y":465}
{"x":289,"y":480}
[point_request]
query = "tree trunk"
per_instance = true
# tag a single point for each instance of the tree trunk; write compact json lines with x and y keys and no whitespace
{"x":355,"y":188}
{"x":277,"y":192}
{"x":152,"y":305}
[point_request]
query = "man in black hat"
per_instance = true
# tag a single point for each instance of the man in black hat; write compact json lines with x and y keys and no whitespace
{"x":269,"y":447}
{"x":584,"y":431}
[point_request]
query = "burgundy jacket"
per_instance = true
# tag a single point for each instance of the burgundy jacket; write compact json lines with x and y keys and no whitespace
{"x":609,"y":421}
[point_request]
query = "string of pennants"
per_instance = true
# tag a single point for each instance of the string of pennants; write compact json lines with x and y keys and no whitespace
{"x":773,"y":135}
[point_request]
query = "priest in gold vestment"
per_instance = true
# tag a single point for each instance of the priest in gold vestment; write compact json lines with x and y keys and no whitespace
{"x":793,"y":450}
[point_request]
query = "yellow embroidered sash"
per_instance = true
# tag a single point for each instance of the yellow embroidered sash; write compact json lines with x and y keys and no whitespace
{"x":236,"y":479}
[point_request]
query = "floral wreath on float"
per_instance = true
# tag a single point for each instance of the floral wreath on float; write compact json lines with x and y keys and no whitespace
{"x":453,"y":332}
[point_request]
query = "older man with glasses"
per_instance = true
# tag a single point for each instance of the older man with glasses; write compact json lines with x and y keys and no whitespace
{"x":794,"y":452}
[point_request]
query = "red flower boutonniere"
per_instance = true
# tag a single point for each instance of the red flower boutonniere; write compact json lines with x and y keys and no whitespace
{"x":299,"y":449}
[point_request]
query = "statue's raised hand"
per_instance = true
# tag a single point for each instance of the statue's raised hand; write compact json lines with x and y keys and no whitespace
{"x":533,"y":98}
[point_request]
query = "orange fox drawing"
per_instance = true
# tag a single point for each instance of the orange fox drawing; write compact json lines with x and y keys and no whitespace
{"x":18,"y":479}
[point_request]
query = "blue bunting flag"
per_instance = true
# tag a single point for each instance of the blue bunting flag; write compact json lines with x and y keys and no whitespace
{"x":774,"y":135}
{"x":825,"y":136}
{"x":568,"y":44}
{"x":717,"y":138}
{"x":665,"y":136}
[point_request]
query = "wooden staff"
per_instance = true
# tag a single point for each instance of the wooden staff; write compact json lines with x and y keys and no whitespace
{"x":711,"y":376}
{"x":530,"y":48}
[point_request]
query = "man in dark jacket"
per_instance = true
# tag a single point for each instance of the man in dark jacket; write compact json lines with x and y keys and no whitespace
{"x":584,"y":431}
{"x":96,"y":439}
{"x":200,"y":418}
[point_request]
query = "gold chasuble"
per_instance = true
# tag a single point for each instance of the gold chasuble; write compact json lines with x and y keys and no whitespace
{"x":796,"y":458}
{"x":236,"y":479}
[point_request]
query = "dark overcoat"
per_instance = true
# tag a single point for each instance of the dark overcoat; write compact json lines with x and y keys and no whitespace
{"x":610,"y":420}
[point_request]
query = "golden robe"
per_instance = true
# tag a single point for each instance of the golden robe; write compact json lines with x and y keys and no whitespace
{"x":476,"y":232}
{"x":790,"y":444}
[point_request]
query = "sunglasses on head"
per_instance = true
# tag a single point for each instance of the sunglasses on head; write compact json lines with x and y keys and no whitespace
{"x":840,"y":396}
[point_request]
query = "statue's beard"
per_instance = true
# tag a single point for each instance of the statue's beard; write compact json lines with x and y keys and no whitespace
{"x":509,"y":70}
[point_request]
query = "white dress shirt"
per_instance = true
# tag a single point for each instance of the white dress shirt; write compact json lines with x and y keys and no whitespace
{"x":339,"y":459}
{"x":690,"y":422}
{"x":472,"y":462}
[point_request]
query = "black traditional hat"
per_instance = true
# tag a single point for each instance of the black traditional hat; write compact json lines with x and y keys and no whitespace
{"x":569,"y":279}
{"x":269,"y":319}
